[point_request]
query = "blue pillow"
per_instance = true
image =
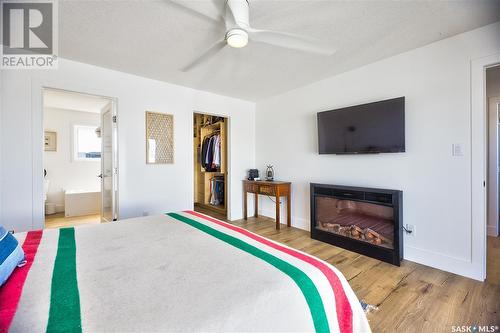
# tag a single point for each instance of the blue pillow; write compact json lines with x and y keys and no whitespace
{"x":11,"y":254}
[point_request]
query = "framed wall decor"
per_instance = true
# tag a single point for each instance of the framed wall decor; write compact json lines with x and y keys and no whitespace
{"x":50,"y":141}
{"x":159,"y":138}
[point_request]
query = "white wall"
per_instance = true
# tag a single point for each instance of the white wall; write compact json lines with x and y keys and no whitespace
{"x":143,"y":188}
{"x":1,"y":146}
{"x":63,"y":172}
{"x":437,"y":186}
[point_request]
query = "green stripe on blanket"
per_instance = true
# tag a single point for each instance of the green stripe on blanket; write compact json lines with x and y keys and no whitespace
{"x":303,"y":281}
{"x":64,"y":313}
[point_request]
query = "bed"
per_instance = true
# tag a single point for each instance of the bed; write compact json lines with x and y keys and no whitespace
{"x":175,"y":272}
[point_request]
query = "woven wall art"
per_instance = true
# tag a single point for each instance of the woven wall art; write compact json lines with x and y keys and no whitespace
{"x":159,"y":138}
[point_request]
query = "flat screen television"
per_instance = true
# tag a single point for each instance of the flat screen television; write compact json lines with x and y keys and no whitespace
{"x":371,"y":128}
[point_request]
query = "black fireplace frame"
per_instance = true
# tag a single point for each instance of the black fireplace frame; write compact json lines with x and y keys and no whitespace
{"x":389,"y":198}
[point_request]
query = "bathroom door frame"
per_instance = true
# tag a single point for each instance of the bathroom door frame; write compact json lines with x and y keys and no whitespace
{"x":39,"y":153}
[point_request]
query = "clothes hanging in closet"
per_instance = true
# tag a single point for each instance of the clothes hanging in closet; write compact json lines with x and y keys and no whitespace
{"x":217,"y":190}
{"x":211,"y":153}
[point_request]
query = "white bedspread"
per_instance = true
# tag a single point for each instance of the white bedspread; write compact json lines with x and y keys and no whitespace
{"x":174,"y":272}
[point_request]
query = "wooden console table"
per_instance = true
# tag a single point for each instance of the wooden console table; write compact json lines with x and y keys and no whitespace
{"x":269,"y":188}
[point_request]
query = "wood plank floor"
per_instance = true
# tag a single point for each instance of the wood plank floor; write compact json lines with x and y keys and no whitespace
{"x":203,"y":210}
{"x":410,"y":298}
{"x":58,"y":220}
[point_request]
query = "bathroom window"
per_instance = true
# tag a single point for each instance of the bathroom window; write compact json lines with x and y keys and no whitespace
{"x":86,"y":143}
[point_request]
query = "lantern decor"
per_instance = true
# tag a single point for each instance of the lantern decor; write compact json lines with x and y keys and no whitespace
{"x":270,"y":173}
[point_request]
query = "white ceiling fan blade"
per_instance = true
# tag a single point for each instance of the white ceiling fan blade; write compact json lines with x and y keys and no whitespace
{"x":290,"y":41}
{"x":212,"y":50}
{"x":237,"y":14}
{"x":208,"y":9}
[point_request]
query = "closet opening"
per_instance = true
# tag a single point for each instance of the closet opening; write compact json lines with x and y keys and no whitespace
{"x":210,"y":165}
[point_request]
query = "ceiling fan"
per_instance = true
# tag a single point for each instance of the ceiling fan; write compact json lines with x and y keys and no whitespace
{"x":235,"y":16}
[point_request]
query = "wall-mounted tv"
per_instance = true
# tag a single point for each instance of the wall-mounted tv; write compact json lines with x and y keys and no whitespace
{"x":371,"y":128}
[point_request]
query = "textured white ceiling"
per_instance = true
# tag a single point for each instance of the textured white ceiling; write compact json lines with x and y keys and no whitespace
{"x":156,"y":38}
{"x":66,"y":100}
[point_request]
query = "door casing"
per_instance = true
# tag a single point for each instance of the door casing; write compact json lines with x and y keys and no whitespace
{"x":38,"y":154}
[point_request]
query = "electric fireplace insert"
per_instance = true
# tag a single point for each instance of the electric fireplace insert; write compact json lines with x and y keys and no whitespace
{"x":364,"y":220}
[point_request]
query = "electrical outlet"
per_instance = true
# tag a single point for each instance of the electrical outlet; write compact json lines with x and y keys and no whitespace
{"x":410,"y":230}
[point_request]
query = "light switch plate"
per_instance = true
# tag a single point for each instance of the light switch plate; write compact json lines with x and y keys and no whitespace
{"x":458,"y":149}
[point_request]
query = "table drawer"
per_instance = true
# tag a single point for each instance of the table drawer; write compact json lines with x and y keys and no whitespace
{"x":252,"y":188}
{"x":268,"y":190}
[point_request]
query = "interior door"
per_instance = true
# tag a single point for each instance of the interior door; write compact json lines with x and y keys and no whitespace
{"x":109,"y":168}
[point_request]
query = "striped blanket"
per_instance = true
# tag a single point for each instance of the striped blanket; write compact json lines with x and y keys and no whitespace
{"x":175,"y":272}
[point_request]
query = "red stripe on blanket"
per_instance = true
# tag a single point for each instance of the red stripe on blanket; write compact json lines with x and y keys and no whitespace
{"x":10,"y":292}
{"x":342,"y":305}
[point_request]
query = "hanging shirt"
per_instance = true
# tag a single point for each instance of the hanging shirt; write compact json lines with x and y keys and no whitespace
{"x":209,"y":154}
{"x":217,"y":152}
{"x":204,"y":149}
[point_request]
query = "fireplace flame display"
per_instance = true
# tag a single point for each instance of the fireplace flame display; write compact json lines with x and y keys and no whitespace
{"x":360,"y":219}
{"x":363,"y":221}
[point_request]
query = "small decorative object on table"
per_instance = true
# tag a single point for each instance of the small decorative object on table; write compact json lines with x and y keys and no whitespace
{"x":252,"y":174}
{"x":270,"y":173}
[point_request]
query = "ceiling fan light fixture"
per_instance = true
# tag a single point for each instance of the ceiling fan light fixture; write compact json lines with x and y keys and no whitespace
{"x":237,"y":38}
{"x":239,"y":32}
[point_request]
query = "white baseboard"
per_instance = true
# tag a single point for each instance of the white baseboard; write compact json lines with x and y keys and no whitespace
{"x":443,"y":262}
{"x":297,"y":222}
{"x":492,"y":231}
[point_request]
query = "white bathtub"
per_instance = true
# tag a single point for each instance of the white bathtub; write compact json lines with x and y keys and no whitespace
{"x":82,"y":202}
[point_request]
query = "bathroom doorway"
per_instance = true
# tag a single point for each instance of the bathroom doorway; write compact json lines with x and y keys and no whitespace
{"x":79,"y":158}
{"x":493,"y":202}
